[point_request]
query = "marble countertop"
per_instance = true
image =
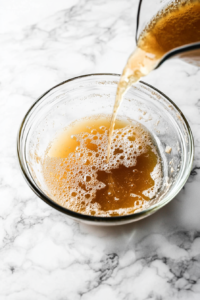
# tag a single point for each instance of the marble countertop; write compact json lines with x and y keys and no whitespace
{"x":44,"y":254}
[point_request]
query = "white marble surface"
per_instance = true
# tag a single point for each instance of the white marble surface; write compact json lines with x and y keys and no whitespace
{"x":44,"y":254}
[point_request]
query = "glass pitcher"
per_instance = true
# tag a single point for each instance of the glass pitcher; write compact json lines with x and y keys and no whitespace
{"x":147,"y":9}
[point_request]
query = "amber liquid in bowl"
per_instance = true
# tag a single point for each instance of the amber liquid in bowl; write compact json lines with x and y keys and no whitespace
{"x":79,"y":178}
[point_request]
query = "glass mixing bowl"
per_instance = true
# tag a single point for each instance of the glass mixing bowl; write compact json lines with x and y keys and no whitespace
{"x":94,"y":94}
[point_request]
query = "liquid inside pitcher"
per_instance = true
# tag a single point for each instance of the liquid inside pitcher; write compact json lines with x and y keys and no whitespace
{"x":174,"y":26}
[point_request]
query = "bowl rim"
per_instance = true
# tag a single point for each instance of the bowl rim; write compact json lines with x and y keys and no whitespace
{"x":101,"y":219}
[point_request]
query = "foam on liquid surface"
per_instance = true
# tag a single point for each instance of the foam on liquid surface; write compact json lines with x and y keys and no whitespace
{"x":79,"y":178}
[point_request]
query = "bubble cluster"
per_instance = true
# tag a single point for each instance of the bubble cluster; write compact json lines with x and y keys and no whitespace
{"x":156,"y":176}
{"x":73,"y":181}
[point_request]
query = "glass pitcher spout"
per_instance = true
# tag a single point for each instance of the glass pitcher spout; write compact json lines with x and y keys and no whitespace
{"x":185,"y":44}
